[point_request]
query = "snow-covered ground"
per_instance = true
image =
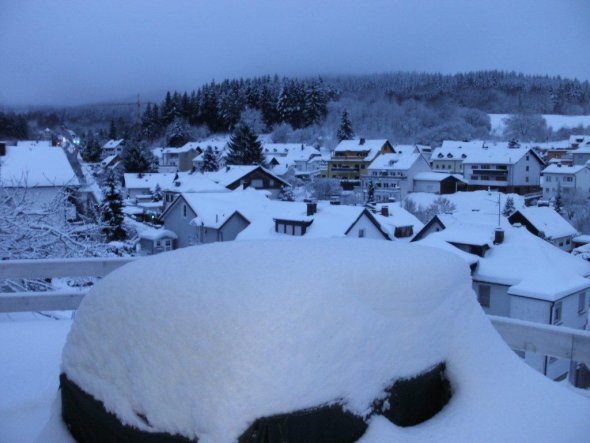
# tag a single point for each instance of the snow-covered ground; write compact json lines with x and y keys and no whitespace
{"x":554,"y":121}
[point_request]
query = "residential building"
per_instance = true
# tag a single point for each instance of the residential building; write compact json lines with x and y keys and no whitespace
{"x":113,"y":147}
{"x":450,"y":155}
{"x":579,"y":141}
{"x":257,"y":177}
{"x":280,"y":157}
{"x":546,"y":223}
{"x":516,"y":274}
{"x":178,"y":159}
{"x":503,"y":167}
{"x":392,"y":175}
{"x":153,"y":241}
{"x":351,"y":158}
{"x":569,"y":180}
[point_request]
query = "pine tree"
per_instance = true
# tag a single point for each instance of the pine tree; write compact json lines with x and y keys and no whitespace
{"x":112,"y":131}
{"x":558,"y":200}
{"x":137,"y":159}
{"x":244,"y":148}
{"x":508,"y":207}
{"x":210,"y":162}
{"x":92,"y":152}
{"x":345,"y":131}
{"x":112,"y":212}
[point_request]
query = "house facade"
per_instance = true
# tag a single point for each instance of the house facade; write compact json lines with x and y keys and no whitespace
{"x":112,"y":147}
{"x":178,"y":159}
{"x":546,"y":223}
{"x":438,"y":183}
{"x":569,"y":180}
{"x":499,"y":166}
{"x":392,"y":175}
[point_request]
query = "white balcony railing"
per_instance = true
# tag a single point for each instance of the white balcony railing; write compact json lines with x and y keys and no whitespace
{"x":555,"y":341}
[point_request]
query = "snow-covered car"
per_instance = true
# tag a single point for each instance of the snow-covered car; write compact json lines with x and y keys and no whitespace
{"x":314,"y":341}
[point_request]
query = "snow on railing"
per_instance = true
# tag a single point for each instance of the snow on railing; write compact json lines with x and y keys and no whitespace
{"x":555,"y":341}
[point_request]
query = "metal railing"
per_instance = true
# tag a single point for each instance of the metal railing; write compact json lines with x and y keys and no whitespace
{"x":555,"y":341}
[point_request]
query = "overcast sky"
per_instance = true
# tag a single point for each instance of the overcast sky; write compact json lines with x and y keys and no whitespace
{"x":72,"y":51}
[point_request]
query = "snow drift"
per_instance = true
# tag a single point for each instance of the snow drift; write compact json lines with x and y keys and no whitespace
{"x":204,"y":341}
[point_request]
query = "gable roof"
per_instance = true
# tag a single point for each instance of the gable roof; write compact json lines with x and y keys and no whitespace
{"x":437,"y":176}
{"x":563,"y":169}
{"x":500,"y":153}
{"x":546,"y":220}
{"x":396,"y":161}
{"x":113,"y":143}
{"x":372,"y":147}
{"x":455,"y":150}
{"x":230,"y":174}
{"x":170,"y":181}
{"x":36,"y":164}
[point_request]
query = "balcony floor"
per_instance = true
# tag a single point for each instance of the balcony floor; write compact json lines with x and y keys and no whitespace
{"x":31,"y":345}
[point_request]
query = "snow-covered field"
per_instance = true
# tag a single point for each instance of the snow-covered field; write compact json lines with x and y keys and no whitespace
{"x":554,"y":121}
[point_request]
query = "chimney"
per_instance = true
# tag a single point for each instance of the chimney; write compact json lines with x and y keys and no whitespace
{"x":312,"y":208}
{"x":385,"y":211}
{"x":2,"y":149}
{"x":227,"y":168}
{"x":498,"y":236}
{"x":362,"y":141}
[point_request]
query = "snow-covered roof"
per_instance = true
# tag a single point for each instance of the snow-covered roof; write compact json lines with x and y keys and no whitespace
{"x":328,"y":221}
{"x":372,"y":147}
{"x":36,"y":164}
{"x":232,"y":173}
{"x":580,"y":140}
{"x":191,"y":146}
{"x":530,"y":266}
{"x":113,"y":144}
{"x":436,"y":176}
{"x":213,"y":210}
{"x":563,"y":169}
{"x":499,"y":153}
{"x":157,"y":234}
{"x":548,"y":221}
{"x":455,"y":150}
{"x":395,"y":162}
{"x":170,"y":181}
{"x":340,"y":320}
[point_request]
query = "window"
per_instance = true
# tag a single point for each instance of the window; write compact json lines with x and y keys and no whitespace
{"x":526,"y":179}
{"x":528,"y":158}
{"x":547,"y":178}
{"x":361,"y":233}
{"x":582,"y":303}
{"x":557,"y":313}
{"x":483,"y":295}
{"x":527,"y":168}
{"x":184,"y":211}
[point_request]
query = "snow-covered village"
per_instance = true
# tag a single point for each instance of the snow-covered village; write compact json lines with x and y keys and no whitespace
{"x":270,"y":229}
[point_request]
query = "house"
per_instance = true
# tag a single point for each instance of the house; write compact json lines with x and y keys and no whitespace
{"x":153,"y":241}
{"x":438,"y":182}
{"x":581,"y":149}
{"x":218,"y":146}
{"x":38,"y":173}
{"x":351,"y":158}
{"x":257,"y":177}
{"x":518,"y":275}
{"x":392,"y":175}
{"x":198,"y":218}
{"x":505,"y":167}
{"x":569,"y":180}
{"x":113,"y":147}
{"x":546,"y":223}
{"x":280,"y":157}
{"x":288,"y":220}
{"x":178,"y":159}
{"x":579,"y":141}
{"x":450,"y":155}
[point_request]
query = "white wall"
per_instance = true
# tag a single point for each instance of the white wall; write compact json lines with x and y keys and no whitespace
{"x":371,"y":230}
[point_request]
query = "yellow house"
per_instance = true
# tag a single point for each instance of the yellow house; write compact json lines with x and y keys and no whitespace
{"x":351,"y":158}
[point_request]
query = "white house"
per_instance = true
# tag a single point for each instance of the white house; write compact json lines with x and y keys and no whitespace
{"x":569,"y":180}
{"x":450,"y":155}
{"x":500,"y":166}
{"x":113,"y":147}
{"x":38,"y":173}
{"x":546,"y":223}
{"x":516,"y":274}
{"x":392,"y":175}
{"x":280,"y":157}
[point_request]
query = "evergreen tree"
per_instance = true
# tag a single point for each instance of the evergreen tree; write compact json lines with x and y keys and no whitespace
{"x":112,"y":212}
{"x":112,"y":131}
{"x":558,"y":200}
{"x":210,"y":162}
{"x":177,"y":133}
{"x":244,"y":148}
{"x":158,"y":195}
{"x":371,"y":194}
{"x":92,"y":151}
{"x":315,"y":105}
{"x":345,"y":131}
{"x":138,"y":159}
{"x":508,"y":207}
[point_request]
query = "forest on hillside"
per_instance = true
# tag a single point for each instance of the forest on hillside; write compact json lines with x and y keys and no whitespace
{"x":404,"y":107}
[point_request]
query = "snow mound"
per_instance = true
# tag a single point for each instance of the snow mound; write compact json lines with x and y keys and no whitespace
{"x":204,"y":340}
